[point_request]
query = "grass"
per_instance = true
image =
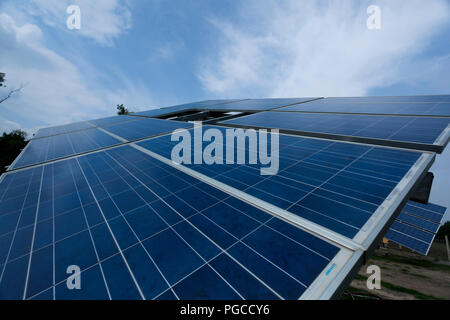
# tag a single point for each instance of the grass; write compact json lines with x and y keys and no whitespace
{"x":411,"y":261}
{"x":415,"y":293}
{"x":359,"y":294}
{"x":394,"y":287}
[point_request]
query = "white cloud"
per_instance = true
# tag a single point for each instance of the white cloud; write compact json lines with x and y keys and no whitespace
{"x":101,"y":20}
{"x":319,"y":48}
{"x":7,"y":125}
{"x":56,"y":91}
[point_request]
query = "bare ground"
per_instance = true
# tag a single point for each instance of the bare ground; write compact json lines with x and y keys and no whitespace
{"x":412,"y":275}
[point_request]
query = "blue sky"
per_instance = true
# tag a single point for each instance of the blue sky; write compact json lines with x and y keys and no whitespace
{"x":164,"y":52}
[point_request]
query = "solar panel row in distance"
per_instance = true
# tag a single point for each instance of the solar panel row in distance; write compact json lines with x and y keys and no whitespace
{"x":71,"y":144}
{"x":181,"y":107}
{"x":137,"y":228}
{"x":79,"y":126}
{"x":61,"y":146}
{"x":252,"y":105}
{"x":373,"y":106}
{"x":423,"y":133}
{"x":416,"y":226}
{"x":144,"y":128}
{"x":392,"y":99}
{"x":103,"y":122}
{"x":335,"y":185}
{"x":51,"y":131}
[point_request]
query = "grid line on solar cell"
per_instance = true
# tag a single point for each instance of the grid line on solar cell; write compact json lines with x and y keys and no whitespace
{"x":90,"y":172}
{"x":310,"y":176}
{"x":410,"y":132}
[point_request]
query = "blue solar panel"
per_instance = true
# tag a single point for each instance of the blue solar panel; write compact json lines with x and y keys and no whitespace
{"x":61,"y":146}
{"x":144,"y":128}
{"x":161,"y":112}
{"x":407,"y":241}
{"x":102,"y":122}
{"x":79,"y":126}
{"x":418,"y":222}
{"x":413,"y":232}
{"x":367,"y":106}
{"x":137,"y":228}
{"x":182,"y":107}
{"x":258,"y":104}
{"x":336,"y":185}
{"x":428,"y":211}
{"x":416,"y":226}
{"x":51,"y":131}
{"x":141,"y":227}
{"x":414,"y":132}
{"x":391,"y":99}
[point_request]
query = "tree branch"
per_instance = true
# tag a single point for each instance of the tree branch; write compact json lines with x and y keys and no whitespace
{"x":12,"y":92}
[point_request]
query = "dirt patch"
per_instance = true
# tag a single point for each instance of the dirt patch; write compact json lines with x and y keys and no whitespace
{"x":407,"y":276}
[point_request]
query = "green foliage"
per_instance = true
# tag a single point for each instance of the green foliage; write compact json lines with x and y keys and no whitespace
{"x":121,"y":109}
{"x":444,"y":230}
{"x":10,"y":146}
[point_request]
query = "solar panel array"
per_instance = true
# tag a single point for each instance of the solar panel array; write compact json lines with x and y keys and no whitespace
{"x":423,"y":133}
{"x":419,"y":106}
{"x":106,"y":197}
{"x":120,"y":129}
{"x":243,"y":105}
{"x":416,"y":226}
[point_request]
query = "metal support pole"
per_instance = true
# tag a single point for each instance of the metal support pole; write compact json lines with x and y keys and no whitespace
{"x":448,"y":248}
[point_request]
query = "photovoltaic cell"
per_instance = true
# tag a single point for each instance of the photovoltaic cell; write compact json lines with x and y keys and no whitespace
{"x":424,"y":133}
{"x":336,"y":185}
{"x":416,"y":226}
{"x":139,"y":229}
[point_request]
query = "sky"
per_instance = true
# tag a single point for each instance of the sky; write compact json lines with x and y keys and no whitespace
{"x":155,"y":53}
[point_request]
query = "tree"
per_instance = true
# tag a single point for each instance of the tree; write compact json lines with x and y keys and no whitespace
{"x":443,"y":230}
{"x":11,"y":92}
{"x":121,"y":109}
{"x":10,"y":146}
